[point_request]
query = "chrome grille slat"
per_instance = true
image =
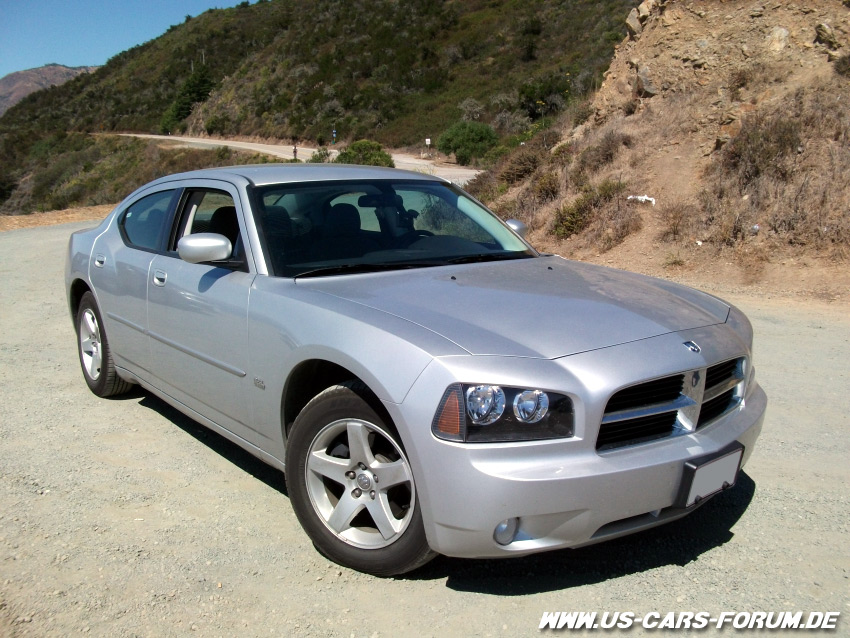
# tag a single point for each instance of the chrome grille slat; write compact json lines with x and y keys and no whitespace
{"x":720,"y":388}
{"x":655,"y":408}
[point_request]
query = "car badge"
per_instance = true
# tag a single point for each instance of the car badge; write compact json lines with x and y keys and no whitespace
{"x":693,"y":347}
{"x":695,"y":379}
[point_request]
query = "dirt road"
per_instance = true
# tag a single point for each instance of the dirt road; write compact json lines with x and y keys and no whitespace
{"x":123,"y":518}
{"x":452,"y":172}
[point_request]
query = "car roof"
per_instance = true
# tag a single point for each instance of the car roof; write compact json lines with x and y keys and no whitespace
{"x":263,"y":174}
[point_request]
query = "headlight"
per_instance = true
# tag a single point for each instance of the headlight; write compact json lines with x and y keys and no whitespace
{"x":531,"y":405}
{"x":485,"y":403}
{"x":475,"y":413}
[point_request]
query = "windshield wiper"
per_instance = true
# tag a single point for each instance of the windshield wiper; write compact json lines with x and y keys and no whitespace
{"x":353,"y":269}
{"x":474,"y":259}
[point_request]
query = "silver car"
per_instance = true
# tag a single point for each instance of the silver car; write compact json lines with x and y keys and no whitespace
{"x":428,"y":381}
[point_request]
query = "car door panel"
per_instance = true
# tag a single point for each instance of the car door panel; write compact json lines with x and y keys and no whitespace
{"x":119,"y":275}
{"x":198,"y":339}
{"x":197,"y":318}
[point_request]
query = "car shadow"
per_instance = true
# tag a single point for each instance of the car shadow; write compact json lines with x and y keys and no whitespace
{"x":677,"y":543}
{"x":240,"y":458}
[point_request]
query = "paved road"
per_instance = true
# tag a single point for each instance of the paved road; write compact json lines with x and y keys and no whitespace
{"x":452,"y":172}
{"x":123,"y":518}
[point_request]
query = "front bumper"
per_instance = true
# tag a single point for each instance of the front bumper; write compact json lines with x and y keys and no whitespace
{"x":564,"y":492}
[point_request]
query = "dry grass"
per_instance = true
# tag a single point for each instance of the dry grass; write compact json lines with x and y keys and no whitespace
{"x":92,"y":213}
{"x":520,"y":164}
{"x":787,"y":173}
{"x":676,"y":217}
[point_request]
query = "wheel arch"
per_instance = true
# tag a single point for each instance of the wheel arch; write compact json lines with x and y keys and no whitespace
{"x":309,"y":378}
{"x":75,"y":293}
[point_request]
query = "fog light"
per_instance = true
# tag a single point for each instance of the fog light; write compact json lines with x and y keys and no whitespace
{"x":506,"y":531}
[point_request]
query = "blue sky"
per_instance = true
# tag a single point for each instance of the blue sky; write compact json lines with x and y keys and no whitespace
{"x":85,"y":32}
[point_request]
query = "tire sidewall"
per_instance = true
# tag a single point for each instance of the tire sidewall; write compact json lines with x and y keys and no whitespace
{"x":334,"y":404}
{"x":98,"y":386}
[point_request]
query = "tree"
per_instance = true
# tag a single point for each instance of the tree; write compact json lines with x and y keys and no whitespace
{"x":366,"y":153}
{"x":467,"y":140}
{"x":196,"y":88}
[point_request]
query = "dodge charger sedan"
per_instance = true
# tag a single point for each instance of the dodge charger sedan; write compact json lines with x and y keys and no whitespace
{"x":428,"y":382}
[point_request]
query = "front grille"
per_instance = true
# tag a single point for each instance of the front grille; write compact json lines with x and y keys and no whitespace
{"x":721,"y":390}
{"x":658,"y":391}
{"x":641,"y":413}
{"x":677,"y":404}
{"x":639,"y":430}
{"x":721,"y":372}
{"x":713,"y":408}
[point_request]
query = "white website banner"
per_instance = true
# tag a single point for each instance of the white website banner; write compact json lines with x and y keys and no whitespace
{"x":735,"y":620}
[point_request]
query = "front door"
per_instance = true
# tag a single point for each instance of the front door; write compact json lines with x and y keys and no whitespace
{"x":197,"y":316}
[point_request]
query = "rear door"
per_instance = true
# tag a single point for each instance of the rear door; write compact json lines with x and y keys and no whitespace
{"x":119,"y":272}
{"x":197,"y":313}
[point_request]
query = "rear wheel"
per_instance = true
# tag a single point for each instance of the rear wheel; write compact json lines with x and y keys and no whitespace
{"x":95,"y":355}
{"x":352,"y":487}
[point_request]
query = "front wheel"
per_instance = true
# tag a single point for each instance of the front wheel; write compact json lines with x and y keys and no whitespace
{"x":352,"y":487}
{"x":95,"y":355}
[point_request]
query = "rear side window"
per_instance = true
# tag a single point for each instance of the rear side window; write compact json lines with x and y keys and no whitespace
{"x":143,"y":223}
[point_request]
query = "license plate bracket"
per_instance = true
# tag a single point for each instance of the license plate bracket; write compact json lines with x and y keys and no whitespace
{"x":705,"y":476}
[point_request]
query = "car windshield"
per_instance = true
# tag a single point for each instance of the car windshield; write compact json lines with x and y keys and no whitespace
{"x":331,"y":228}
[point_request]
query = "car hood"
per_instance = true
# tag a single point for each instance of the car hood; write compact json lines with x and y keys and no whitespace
{"x":544,"y":307}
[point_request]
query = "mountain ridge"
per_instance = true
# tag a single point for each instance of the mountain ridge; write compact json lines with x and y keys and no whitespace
{"x":15,"y":86}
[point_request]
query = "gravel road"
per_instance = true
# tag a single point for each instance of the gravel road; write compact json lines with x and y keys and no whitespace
{"x":124,"y":518}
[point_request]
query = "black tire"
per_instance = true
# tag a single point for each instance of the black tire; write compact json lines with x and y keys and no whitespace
{"x":351,"y":485}
{"x":94,"y":352}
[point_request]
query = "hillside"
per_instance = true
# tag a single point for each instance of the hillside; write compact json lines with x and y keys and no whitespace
{"x":735,"y":118}
{"x":16,"y":86}
{"x":392,"y":71}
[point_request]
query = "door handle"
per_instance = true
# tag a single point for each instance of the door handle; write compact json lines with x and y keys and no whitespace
{"x":99,"y":260}
{"x":159,"y":277}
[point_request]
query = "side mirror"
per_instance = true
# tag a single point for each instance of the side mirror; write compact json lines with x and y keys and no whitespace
{"x":518,"y":227}
{"x":204,"y":247}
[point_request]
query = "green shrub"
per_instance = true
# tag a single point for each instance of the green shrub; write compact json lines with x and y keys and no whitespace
{"x":545,"y":95}
{"x":365,"y":153}
{"x":578,"y":215}
{"x":467,"y":140}
{"x":574,"y":217}
{"x":217,"y":125}
{"x":320,"y":156}
{"x":546,"y":186}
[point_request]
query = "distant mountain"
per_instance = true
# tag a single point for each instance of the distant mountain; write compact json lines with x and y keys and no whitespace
{"x":16,"y":86}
